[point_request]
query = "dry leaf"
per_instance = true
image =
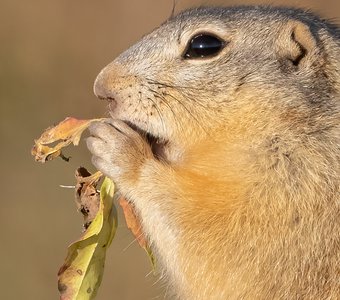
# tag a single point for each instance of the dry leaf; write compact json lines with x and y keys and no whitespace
{"x":132,"y":222}
{"x":135,"y":226}
{"x":87,"y":196}
{"x":66,"y":132}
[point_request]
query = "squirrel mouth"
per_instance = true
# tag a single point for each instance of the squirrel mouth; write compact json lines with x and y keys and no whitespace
{"x":157,"y":144}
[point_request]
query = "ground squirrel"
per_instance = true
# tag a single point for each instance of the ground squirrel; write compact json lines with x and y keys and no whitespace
{"x":225,"y":136}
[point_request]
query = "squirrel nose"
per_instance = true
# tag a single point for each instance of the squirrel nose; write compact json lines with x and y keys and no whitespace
{"x":101,"y":87}
{"x":112,"y":82}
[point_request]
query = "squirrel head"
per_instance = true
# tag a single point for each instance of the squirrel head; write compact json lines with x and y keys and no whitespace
{"x":249,"y":71}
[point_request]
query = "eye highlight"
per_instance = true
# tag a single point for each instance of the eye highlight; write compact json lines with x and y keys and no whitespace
{"x":203,"y":45}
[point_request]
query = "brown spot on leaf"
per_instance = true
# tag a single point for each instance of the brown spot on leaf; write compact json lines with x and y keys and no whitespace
{"x":62,"y":287}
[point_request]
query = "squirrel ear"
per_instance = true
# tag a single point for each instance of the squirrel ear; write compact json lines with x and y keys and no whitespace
{"x":297,"y":44}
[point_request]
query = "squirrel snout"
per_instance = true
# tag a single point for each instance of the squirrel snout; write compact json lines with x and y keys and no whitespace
{"x":111,"y":83}
{"x":101,"y":88}
{"x":104,"y":91}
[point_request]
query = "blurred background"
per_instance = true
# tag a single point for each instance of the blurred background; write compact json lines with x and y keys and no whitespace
{"x":50,"y":54}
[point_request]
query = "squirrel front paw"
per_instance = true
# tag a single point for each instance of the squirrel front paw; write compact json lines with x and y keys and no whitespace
{"x":119,"y":152}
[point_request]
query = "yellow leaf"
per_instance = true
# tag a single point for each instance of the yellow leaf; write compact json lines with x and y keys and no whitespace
{"x":82,"y":272}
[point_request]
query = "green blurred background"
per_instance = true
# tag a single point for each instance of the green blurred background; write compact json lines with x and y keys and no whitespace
{"x":50,"y":54}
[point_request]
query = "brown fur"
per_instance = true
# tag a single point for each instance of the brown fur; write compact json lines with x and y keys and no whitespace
{"x":243,"y":202}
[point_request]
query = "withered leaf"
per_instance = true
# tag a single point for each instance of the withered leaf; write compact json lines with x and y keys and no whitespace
{"x":133,"y":223}
{"x":86,"y":194}
{"x":66,"y":132}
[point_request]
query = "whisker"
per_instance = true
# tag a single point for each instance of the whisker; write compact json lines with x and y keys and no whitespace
{"x":164,"y":100}
{"x":188,"y":111}
{"x":152,"y":81}
{"x":159,"y":113}
{"x":132,"y":242}
{"x":176,"y":87}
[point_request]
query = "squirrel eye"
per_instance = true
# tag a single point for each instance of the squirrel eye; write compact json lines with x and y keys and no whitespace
{"x":203,"y":45}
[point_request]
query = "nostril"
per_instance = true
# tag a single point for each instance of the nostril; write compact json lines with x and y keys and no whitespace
{"x":109,"y":99}
{"x":101,"y":97}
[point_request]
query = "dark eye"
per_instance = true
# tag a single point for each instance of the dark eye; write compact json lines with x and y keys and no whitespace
{"x":203,"y":45}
